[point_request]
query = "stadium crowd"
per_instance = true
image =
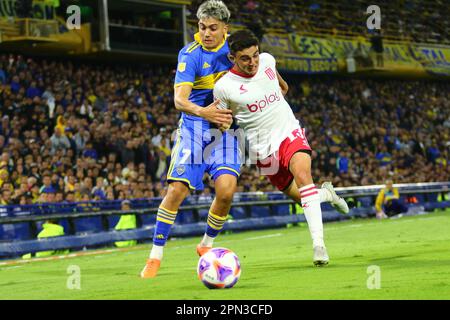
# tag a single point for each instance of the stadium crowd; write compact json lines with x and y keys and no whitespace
{"x":78,"y":131}
{"x":399,"y":18}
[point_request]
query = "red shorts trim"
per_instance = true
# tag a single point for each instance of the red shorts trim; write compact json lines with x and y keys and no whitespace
{"x":276,"y":166}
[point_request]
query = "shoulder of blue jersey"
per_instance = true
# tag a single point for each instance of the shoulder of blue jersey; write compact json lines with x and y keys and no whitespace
{"x":191,"y":48}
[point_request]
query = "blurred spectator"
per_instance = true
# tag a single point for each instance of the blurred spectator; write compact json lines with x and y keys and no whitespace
{"x":75,"y":145}
{"x":388,"y":202}
{"x":377,"y":46}
{"x":59,"y":141}
{"x":49,"y":229}
{"x":126,"y":221}
{"x":47,"y":185}
{"x":342,"y":18}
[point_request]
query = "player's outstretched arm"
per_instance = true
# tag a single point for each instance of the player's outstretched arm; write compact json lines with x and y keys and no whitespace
{"x":283,"y":84}
{"x":211,"y":113}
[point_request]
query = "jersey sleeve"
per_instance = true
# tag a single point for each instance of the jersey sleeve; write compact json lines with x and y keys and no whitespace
{"x":269,"y":58}
{"x":219,"y":93}
{"x":186,"y":70}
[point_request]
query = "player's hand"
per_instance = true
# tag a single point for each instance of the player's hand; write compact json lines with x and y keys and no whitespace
{"x":220,"y":117}
{"x":225,"y":127}
{"x":381,"y":215}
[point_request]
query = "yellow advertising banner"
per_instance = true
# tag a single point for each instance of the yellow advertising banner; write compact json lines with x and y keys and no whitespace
{"x":435,"y":60}
{"x":278,"y":44}
{"x":319,"y":54}
{"x":325,"y":54}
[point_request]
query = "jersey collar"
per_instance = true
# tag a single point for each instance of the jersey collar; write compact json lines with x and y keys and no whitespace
{"x":199,"y":40}
{"x":240,"y":74}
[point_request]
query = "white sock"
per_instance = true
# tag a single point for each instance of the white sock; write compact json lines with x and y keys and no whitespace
{"x":157,"y":252}
{"x":207,"y":241}
{"x":313,"y":213}
{"x":325,"y":195}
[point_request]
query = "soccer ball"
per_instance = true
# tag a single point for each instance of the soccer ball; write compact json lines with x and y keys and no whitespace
{"x":219,"y":268}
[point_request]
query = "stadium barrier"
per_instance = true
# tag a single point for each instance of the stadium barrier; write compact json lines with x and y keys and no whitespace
{"x":91,"y":224}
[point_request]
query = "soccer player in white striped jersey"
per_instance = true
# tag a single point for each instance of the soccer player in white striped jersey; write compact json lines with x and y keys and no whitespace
{"x":254,"y":90}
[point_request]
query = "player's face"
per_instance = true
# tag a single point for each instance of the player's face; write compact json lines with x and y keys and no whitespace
{"x":212,"y":32}
{"x":247,"y":60}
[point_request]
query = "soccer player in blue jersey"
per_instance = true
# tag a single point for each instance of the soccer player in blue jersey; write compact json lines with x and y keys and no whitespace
{"x":200,"y":64}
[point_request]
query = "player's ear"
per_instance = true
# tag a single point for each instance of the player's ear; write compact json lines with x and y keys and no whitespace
{"x":231,"y":58}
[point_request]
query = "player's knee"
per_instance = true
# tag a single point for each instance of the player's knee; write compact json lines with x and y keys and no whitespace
{"x":225,"y":195}
{"x":176,"y":192}
{"x":303,"y":177}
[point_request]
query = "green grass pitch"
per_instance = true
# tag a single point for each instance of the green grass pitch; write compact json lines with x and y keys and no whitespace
{"x":412,"y":253}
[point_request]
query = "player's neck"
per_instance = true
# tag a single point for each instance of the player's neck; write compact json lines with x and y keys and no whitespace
{"x":235,"y":70}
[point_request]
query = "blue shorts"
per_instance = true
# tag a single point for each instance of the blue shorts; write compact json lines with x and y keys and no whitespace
{"x":196,"y":152}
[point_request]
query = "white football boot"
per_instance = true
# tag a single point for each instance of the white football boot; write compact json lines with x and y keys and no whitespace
{"x":338,"y":203}
{"x":320,"y":258}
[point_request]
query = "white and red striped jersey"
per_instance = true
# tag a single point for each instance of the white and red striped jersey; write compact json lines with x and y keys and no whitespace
{"x":258,"y":106}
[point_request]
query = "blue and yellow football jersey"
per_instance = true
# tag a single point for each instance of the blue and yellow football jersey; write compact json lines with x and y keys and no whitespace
{"x":201,"y":68}
{"x":193,"y":153}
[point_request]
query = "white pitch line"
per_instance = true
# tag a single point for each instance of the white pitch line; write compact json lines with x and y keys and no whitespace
{"x":266,"y":236}
{"x":228,"y":241}
{"x":13,"y":267}
{"x":342,"y":227}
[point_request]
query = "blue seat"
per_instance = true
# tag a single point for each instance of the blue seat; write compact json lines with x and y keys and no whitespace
{"x":331,"y":216}
{"x":281,"y":209}
{"x":184,"y":217}
{"x":21,"y":231}
{"x":361,"y":212}
{"x":366,"y":202}
{"x":260,"y":211}
{"x":238,"y":213}
{"x":432,"y":197}
{"x":7,"y":232}
{"x":420,"y":197}
{"x":148,"y":219}
{"x":326,"y":206}
{"x":203,"y":214}
{"x":89,"y":225}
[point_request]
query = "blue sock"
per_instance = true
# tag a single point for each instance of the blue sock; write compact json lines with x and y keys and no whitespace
{"x":215,"y":224}
{"x":164,"y":220}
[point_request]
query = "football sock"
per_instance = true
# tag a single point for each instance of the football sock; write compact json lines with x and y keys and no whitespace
{"x":156,"y":252}
{"x":164,"y":221}
{"x":310,"y":199}
{"x":325,"y":195}
{"x":207,"y":241}
{"x":213,"y":227}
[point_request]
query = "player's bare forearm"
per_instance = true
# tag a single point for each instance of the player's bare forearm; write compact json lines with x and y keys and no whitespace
{"x":182,"y":102}
{"x":186,"y":106}
{"x":210,"y":113}
{"x":283,"y":84}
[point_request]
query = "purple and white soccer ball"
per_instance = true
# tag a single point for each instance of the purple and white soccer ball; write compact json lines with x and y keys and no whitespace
{"x":219,"y":268}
